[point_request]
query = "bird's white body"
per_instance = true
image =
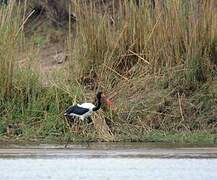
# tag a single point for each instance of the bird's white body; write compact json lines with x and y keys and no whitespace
{"x":88,"y":106}
{"x":85,"y":110}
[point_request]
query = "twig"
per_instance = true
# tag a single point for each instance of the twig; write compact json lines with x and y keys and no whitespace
{"x":21,"y":27}
{"x":152,"y":32}
{"x":180,"y":107}
{"x":116,"y":72}
{"x":140,"y":57}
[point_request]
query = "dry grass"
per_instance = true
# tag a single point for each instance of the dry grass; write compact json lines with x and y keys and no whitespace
{"x":8,"y":48}
{"x":152,"y":62}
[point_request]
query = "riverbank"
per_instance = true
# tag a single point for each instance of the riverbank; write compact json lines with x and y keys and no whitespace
{"x":183,"y":139}
{"x":161,"y":76}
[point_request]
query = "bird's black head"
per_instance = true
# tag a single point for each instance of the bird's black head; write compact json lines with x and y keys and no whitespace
{"x":99,"y":95}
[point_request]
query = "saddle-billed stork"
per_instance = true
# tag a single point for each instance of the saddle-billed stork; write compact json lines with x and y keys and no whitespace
{"x":85,"y":110}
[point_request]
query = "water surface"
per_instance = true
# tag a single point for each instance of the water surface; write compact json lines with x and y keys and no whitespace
{"x":100,"y":161}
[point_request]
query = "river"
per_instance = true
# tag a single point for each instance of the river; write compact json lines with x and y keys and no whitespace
{"x":103,"y":161}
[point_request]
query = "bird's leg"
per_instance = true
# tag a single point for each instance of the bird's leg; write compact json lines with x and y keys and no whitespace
{"x":69,"y":137}
{"x":71,"y":119}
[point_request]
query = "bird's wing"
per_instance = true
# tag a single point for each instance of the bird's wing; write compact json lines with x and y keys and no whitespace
{"x":89,"y":106}
{"x":76,"y":110}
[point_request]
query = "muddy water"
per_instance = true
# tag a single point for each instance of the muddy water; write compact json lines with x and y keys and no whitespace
{"x":103,"y":161}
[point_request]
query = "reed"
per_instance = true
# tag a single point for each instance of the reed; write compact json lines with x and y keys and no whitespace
{"x":180,"y":33}
{"x":28,"y":108}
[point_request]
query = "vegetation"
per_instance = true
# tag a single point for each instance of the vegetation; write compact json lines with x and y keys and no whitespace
{"x":158,"y":64}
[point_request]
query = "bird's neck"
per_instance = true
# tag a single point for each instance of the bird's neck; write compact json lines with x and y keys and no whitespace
{"x":99,"y":103}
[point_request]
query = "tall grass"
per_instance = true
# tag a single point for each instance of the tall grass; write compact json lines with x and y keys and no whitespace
{"x":8,"y":48}
{"x":179,"y":33}
{"x":28,"y":108}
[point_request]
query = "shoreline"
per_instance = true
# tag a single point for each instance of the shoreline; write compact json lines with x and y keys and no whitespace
{"x":106,"y":151}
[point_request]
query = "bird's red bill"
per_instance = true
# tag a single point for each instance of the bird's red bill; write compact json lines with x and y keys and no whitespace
{"x":109,"y":102}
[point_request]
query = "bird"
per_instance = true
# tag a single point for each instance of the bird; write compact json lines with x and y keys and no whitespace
{"x":85,"y":110}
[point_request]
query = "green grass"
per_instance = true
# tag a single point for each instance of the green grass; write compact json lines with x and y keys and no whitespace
{"x":195,"y":138}
{"x":157,"y":65}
